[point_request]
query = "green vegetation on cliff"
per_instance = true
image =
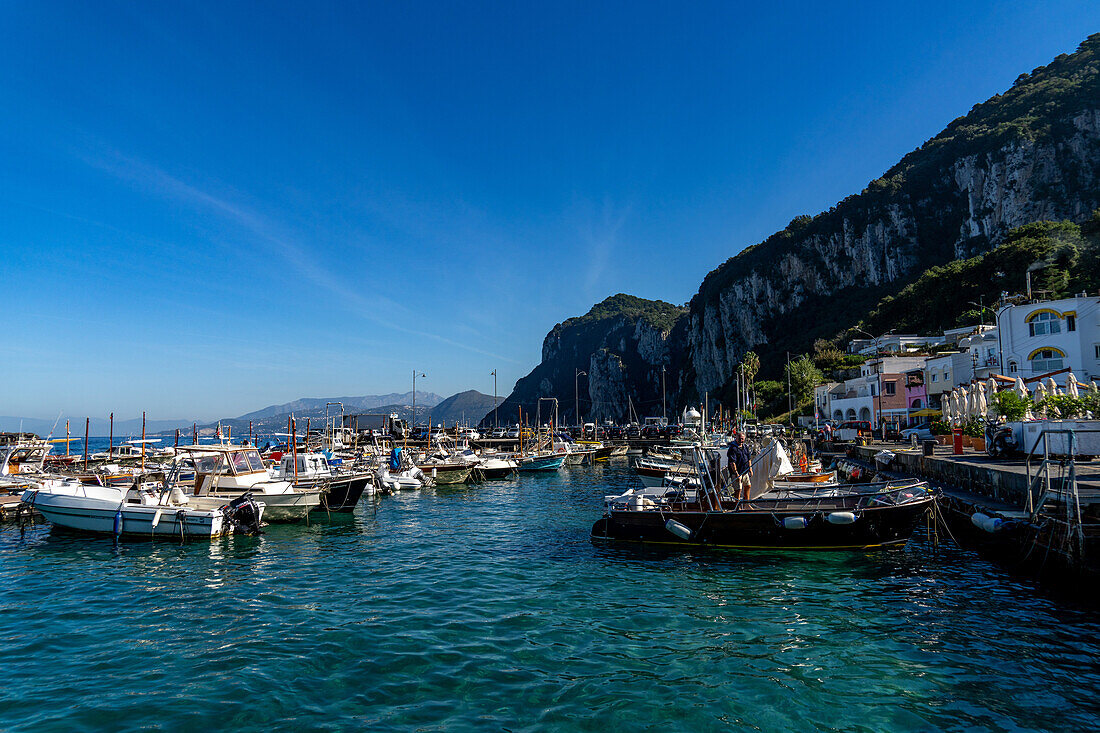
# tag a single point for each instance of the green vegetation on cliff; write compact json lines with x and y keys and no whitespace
{"x":1065,"y":259}
{"x":657,"y":313}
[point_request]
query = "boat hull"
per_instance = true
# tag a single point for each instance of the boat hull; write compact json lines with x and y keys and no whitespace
{"x":339,"y":493}
{"x":96,"y":516}
{"x":446,"y":475}
{"x":757,"y":528}
{"x":543,"y":463}
{"x":288,"y":507}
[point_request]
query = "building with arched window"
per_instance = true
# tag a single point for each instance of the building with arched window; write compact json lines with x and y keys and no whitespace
{"x":1047,"y":338}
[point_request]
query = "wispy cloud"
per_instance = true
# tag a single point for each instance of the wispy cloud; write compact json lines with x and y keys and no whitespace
{"x":377,"y":308}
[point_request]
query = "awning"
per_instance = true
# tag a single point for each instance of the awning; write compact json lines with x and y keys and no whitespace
{"x":926,"y":412}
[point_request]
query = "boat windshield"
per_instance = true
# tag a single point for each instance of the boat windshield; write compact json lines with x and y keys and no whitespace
{"x":211,"y":463}
{"x":247,"y":462}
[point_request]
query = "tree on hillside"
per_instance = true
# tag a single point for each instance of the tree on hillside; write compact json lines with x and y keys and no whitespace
{"x":804,"y":377}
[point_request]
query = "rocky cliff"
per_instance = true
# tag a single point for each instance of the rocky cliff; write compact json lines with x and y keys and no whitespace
{"x":1030,"y":154}
{"x":621,"y":345}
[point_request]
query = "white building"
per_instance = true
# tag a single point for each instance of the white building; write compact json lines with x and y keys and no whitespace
{"x":893,"y":343}
{"x":1037,"y":339}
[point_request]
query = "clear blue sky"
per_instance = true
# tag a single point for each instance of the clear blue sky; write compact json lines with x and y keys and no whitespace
{"x":206,"y":208}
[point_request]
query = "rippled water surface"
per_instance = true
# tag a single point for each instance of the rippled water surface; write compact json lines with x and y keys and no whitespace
{"x":489,"y":608}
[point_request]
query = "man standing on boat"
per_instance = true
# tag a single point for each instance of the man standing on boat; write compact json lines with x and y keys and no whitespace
{"x":740,"y":466}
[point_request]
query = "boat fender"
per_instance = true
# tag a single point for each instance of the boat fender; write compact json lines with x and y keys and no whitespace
{"x":118,"y":522}
{"x":156,"y":518}
{"x":841,"y":517}
{"x":680,"y":530}
{"x":795,"y":522}
{"x":986,"y":522}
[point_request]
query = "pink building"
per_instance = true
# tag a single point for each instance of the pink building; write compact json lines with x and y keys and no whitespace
{"x":915,"y":396}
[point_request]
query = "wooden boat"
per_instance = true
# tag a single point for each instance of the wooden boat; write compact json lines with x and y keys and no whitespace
{"x":807,"y":478}
{"x":829,"y":516}
{"x":225,"y":472}
{"x":542,"y":462}
{"x":447,"y":473}
{"x":855,"y":520}
{"x":340,"y":490}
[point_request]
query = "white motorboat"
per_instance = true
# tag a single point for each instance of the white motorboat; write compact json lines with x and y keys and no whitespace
{"x":497,"y":467}
{"x":144,"y":511}
{"x":407,"y":479}
{"x":225,"y":472}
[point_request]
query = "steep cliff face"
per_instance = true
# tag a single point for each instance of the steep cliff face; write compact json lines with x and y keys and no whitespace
{"x":621,"y":345}
{"x":1032,"y":153}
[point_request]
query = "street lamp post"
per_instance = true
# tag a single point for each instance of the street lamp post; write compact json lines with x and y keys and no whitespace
{"x":414,"y":399}
{"x":876,"y":400}
{"x":577,"y":394}
{"x":664,"y":410}
{"x":496,"y":422}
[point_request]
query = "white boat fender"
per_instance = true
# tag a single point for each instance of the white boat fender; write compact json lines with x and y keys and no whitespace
{"x":156,"y":518}
{"x":795,"y":522}
{"x":987,"y":523}
{"x":841,"y":517}
{"x":680,"y":530}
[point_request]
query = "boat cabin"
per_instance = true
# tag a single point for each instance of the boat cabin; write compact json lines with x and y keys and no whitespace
{"x":23,"y":457}
{"x":225,"y":466}
{"x":309,"y":465}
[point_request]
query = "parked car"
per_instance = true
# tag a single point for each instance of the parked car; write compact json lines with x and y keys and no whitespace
{"x":615,"y":433}
{"x":673,"y":430}
{"x":922,"y":431}
{"x":651,"y":431}
{"x":633,"y":430}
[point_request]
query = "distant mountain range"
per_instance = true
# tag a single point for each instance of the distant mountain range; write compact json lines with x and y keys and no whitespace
{"x":314,"y":406}
{"x":268,"y":419}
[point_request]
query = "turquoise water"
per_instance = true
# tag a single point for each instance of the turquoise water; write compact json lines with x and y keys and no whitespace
{"x":488,"y":608}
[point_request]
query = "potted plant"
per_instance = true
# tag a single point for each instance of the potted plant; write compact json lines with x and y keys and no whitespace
{"x":942,"y":431}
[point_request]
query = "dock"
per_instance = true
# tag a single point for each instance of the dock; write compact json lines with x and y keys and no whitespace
{"x":1049,"y":528}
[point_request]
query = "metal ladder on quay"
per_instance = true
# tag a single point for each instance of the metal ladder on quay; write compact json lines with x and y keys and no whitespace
{"x":1044,"y":488}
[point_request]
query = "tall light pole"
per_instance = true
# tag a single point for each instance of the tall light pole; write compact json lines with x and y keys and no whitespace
{"x":577,"y":394}
{"x":496,"y":423}
{"x":664,"y":410}
{"x":790,"y":407}
{"x":414,"y":399}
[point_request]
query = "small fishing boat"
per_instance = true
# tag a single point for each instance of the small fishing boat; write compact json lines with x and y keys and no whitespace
{"x":855,"y":517}
{"x":143,"y":511}
{"x":397,"y":473}
{"x":225,"y":472}
{"x":542,"y":462}
{"x":495,"y":467}
{"x":340,"y":489}
{"x":446,"y":473}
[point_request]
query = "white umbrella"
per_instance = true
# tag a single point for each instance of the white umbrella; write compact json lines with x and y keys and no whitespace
{"x":963,"y":402}
{"x":945,"y":407}
{"x":1071,"y":386}
{"x":1020,"y":388}
{"x":1038,"y":396}
{"x":990,"y":389}
{"x":1052,"y":386}
{"x":983,"y":405}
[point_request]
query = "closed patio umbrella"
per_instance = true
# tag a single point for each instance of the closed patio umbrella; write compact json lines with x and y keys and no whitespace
{"x":1071,"y":386}
{"x":1052,"y":386}
{"x":1020,"y":388}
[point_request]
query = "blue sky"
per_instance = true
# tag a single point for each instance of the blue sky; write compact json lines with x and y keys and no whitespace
{"x":209,"y":208}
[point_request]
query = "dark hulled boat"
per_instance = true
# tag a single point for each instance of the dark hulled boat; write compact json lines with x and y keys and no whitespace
{"x":853,"y":520}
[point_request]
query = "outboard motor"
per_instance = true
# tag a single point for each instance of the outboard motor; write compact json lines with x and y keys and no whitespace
{"x":244,"y":513}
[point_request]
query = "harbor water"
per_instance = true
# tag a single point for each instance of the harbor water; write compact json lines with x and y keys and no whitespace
{"x":488,"y":607}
